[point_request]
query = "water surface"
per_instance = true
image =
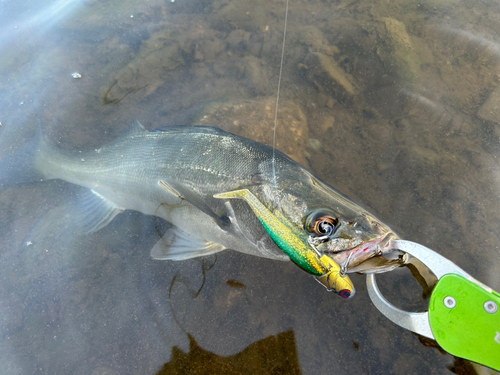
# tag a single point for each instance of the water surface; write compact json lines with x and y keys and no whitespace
{"x":393,"y":103}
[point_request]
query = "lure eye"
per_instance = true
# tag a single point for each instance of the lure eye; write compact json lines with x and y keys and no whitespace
{"x":346,"y":294}
{"x":321,"y":224}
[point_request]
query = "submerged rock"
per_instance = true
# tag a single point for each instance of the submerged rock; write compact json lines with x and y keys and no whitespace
{"x":397,"y":49}
{"x":490,"y":110}
{"x":157,"y":59}
{"x":255,"y":119}
{"x":326,"y":74}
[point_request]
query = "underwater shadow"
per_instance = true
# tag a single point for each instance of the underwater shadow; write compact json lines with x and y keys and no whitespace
{"x":271,"y":355}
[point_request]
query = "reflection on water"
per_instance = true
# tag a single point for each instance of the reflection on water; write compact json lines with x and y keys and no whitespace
{"x":272,"y":355}
{"x":393,"y":104}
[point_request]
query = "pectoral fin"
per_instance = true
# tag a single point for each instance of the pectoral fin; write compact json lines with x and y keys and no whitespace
{"x":178,"y":245}
{"x":184,"y":193}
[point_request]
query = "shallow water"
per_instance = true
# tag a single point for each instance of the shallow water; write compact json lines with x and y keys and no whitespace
{"x":393,"y":103}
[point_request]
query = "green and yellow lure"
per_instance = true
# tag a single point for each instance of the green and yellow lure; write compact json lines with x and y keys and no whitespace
{"x":326,"y":270}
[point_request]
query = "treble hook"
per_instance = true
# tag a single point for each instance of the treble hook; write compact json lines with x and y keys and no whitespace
{"x":343,"y":269}
{"x":313,"y":241}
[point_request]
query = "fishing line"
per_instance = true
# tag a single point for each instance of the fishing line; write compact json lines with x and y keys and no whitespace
{"x":277,"y":103}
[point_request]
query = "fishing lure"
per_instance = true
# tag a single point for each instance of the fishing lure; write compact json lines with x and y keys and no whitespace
{"x":326,"y":270}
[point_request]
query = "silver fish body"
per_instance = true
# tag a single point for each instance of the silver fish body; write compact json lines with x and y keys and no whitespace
{"x":175,"y":173}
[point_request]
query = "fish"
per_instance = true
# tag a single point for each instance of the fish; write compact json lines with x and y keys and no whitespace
{"x":188,"y":176}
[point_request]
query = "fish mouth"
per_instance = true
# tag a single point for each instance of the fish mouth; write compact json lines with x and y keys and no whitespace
{"x":374,"y":256}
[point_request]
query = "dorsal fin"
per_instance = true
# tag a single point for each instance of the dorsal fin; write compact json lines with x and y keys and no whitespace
{"x":134,"y":128}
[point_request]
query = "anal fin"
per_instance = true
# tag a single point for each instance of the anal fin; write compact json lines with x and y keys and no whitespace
{"x":93,"y":211}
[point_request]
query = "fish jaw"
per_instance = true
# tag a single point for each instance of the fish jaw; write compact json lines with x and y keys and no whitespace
{"x":360,"y":258}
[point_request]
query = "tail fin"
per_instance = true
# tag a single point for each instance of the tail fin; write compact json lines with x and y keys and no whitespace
{"x":19,"y":166}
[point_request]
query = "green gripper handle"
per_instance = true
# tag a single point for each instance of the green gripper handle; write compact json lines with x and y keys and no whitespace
{"x":465,"y":320}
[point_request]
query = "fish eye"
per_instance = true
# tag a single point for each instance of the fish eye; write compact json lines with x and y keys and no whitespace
{"x":321,"y":223}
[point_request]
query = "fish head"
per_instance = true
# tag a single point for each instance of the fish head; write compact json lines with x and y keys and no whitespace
{"x":334,"y":224}
{"x":360,"y":243}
